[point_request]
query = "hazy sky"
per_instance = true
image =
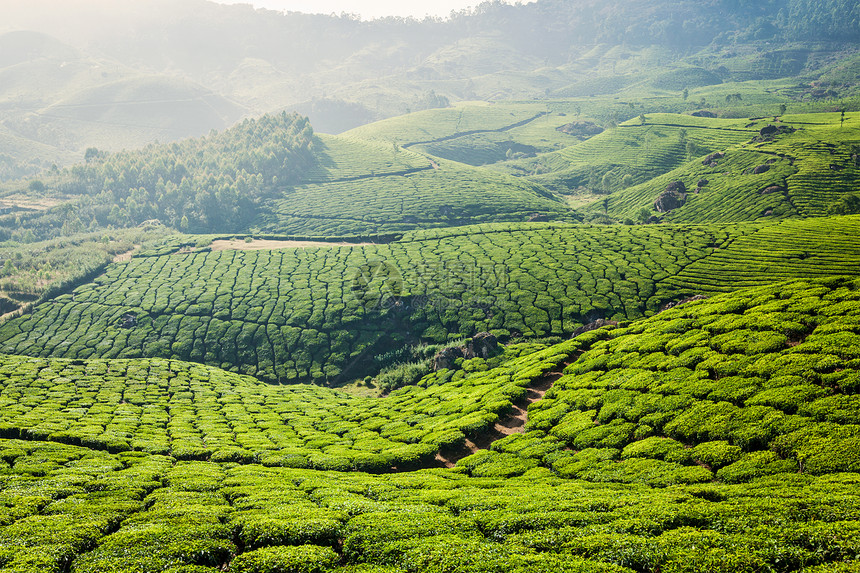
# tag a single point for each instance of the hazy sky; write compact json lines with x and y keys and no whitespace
{"x":368,"y":9}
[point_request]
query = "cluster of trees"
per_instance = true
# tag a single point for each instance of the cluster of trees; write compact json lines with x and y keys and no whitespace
{"x":214,"y":183}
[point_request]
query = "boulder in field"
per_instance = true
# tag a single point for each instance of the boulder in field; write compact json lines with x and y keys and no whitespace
{"x":768,"y":131}
{"x":446,"y":357}
{"x":711,"y":159}
{"x":673,"y":197}
{"x":482,"y":345}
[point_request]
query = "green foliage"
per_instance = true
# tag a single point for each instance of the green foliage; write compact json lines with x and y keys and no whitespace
{"x":294,"y":315}
{"x":806,"y":170}
{"x":302,"y":559}
{"x":192,"y":412}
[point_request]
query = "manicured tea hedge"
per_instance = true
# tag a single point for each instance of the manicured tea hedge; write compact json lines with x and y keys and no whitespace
{"x":321,"y":314}
{"x":194,"y":412}
{"x":740,"y":386}
{"x":315,"y":314}
{"x":86,"y":511}
{"x":799,"y":173}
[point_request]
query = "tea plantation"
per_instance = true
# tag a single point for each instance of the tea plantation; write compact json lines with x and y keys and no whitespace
{"x":805,"y":170}
{"x":720,"y":435}
{"x":446,"y":194}
{"x":322,"y":313}
{"x":195,"y":412}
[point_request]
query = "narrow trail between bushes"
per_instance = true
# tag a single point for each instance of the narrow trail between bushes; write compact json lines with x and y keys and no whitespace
{"x":512,"y":423}
{"x":460,"y":134}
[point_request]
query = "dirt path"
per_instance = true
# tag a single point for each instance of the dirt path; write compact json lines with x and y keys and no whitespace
{"x":260,"y":244}
{"x":460,"y":134}
{"x":513,"y":423}
{"x":126,"y":256}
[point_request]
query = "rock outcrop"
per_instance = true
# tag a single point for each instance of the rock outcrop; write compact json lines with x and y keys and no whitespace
{"x":673,"y":197}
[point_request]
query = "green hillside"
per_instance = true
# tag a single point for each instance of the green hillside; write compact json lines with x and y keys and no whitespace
{"x":444,"y":194}
{"x":737,"y":387}
{"x":324,"y":312}
{"x":193,"y":412}
{"x":804,"y":171}
{"x":273,"y":175}
{"x":363,"y":187}
{"x":719,"y":435}
{"x":569,"y":287}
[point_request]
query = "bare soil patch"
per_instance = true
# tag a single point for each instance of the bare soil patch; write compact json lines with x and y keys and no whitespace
{"x":513,"y":423}
{"x":31,"y":203}
{"x":263,"y":244}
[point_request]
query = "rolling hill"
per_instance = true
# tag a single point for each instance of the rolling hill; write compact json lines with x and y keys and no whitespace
{"x":720,"y":434}
{"x":584,"y":299}
{"x":59,"y":100}
{"x":322,"y":313}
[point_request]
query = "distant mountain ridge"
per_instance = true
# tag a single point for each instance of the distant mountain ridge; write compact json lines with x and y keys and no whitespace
{"x":344,"y":72}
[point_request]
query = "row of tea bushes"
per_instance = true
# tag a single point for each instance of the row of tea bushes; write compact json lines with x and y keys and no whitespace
{"x":194,"y":412}
{"x":740,"y":386}
{"x":307,"y":314}
{"x":318,"y":314}
{"x":802,"y":172}
{"x":96,"y":512}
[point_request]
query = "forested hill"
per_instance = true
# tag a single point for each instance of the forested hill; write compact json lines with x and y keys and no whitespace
{"x":213,"y":182}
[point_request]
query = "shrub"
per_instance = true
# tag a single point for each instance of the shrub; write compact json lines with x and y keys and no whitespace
{"x":301,"y":559}
{"x":755,"y":465}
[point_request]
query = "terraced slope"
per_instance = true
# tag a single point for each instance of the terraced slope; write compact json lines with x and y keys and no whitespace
{"x":642,"y":150}
{"x":433,"y":125}
{"x":319,"y":313}
{"x":324,"y":313}
{"x":136,"y":512}
{"x":341,"y":158}
{"x":740,"y":386}
{"x":387,"y":198}
{"x":194,"y":412}
{"x":800,"y":173}
{"x":373,"y":185}
{"x":733,"y":422}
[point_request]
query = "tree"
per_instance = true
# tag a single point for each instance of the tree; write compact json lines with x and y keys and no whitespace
{"x":685,"y":94}
{"x":782,"y":108}
{"x":627,"y":180}
{"x":91,"y":154}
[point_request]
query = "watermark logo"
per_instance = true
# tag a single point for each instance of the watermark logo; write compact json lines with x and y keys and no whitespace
{"x":377,"y":284}
{"x":439,"y":287}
